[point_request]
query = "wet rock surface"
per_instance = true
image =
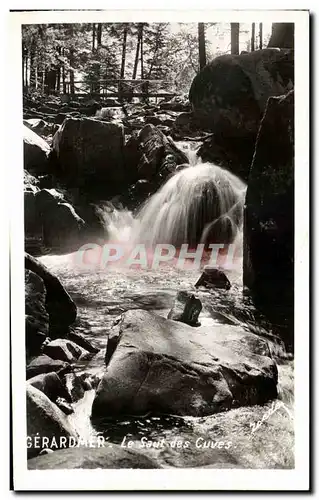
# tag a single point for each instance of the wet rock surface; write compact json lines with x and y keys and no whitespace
{"x":213,"y":278}
{"x":186,"y":308}
{"x":59,"y":305}
{"x":45,"y":364}
{"x":163,"y":366}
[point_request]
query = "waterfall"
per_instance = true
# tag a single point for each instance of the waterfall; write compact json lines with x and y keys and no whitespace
{"x":202,"y":203}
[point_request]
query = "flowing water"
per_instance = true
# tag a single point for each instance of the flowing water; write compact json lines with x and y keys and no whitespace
{"x":101,"y":294}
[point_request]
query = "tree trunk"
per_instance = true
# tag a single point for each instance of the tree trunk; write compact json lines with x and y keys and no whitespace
{"x":201,"y":45}
{"x":99,"y":35}
{"x":260,"y":35}
{"x":93,"y":36}
{"x":137,"y":53}
{"x":71,"y":56}
{"x":282,"y":36}
{"x":142,"y":62}
{"x":23,"y":65}
{"x":63,"y":74}
{"x":124,"y":51}
{"x":155,"y":53}
{"x":32,"y":66}
{"x":234,"y":35}
{"x":253,"y":35}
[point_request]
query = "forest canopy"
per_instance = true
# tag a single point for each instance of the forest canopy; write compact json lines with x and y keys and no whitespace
{"x":56,"y":56}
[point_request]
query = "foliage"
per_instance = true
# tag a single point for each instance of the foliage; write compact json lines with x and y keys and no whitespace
{"x":55,"y":55}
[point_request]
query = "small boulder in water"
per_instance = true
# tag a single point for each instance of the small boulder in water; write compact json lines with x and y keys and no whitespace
{"x":51,"y":385}
{"x":66,"y":407}
{"x":63,"y":349}
{"x":82,"y":342}
{"x":213,"y":278}
{"x":186,"y":308}
{"x":45,"y":364}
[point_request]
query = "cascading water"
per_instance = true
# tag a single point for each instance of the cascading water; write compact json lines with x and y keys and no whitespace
{"x":202,"y":203}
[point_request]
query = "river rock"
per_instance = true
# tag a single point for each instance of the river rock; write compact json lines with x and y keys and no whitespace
{"x":51,"y":220}
{"x":89,"y":153}
{"x":229,"y":96}
{"x":36,"y":152}
{"x":64,"y":349}
{"x":62,"y":227}
{"x":40,"y":126}
{"x":81,"y":341}
{"x":154,"y":155}
{"x":51,"y":385}
{"x":186,"y":308}
{"x":37,"y":318}
{"x":44,"y":419}
{"x":177,"y":103}
{"x":45,"y":364}
{"x":164,"y":366}
{"x":32,"y":221}
{"x":213,"y":278}
{"x":59,"y":305}
{"x":269,"y":216}
{"x":80,"y":384}
{"x":109,"y":456}
{"x":64,"y":406}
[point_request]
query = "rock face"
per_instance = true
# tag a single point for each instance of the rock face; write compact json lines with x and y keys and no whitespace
{"x":108,"y":457}
{"x":229,"y":96}
{"x":37,"y":318}
{"x":89,"y":153}
{"x":59,"y":305}
{"x":51,"y":220}
{"x":269,"y":214}
{"x":163,"y":366}
{"x":51,"y":385}
{"x":63,"y":349}
{"x":154,"y":155}
{"x":45,"y":364}
{"x":186,"y":308}
{"x":36,"y":152}
{"x":81,"y":341}
{"x":44,"y":419}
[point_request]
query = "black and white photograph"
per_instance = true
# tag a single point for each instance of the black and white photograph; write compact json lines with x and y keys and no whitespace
{"x":158,"y":252}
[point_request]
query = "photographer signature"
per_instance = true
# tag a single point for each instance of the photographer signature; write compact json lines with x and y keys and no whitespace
{"x":274,"y":407}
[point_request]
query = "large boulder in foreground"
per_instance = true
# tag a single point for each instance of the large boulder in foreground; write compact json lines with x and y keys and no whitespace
{"x":269,"y":216}
{"x":36,"y":152}
{"x":106,"y":457}
{"x":59,"y":305}
{"x":44,"y":420}
{"x":164,"y":366}
{"x":229,"y":96}
{"x":89,"y":153}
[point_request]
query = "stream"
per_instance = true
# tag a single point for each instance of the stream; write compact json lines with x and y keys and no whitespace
{"x":101,"y":295}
